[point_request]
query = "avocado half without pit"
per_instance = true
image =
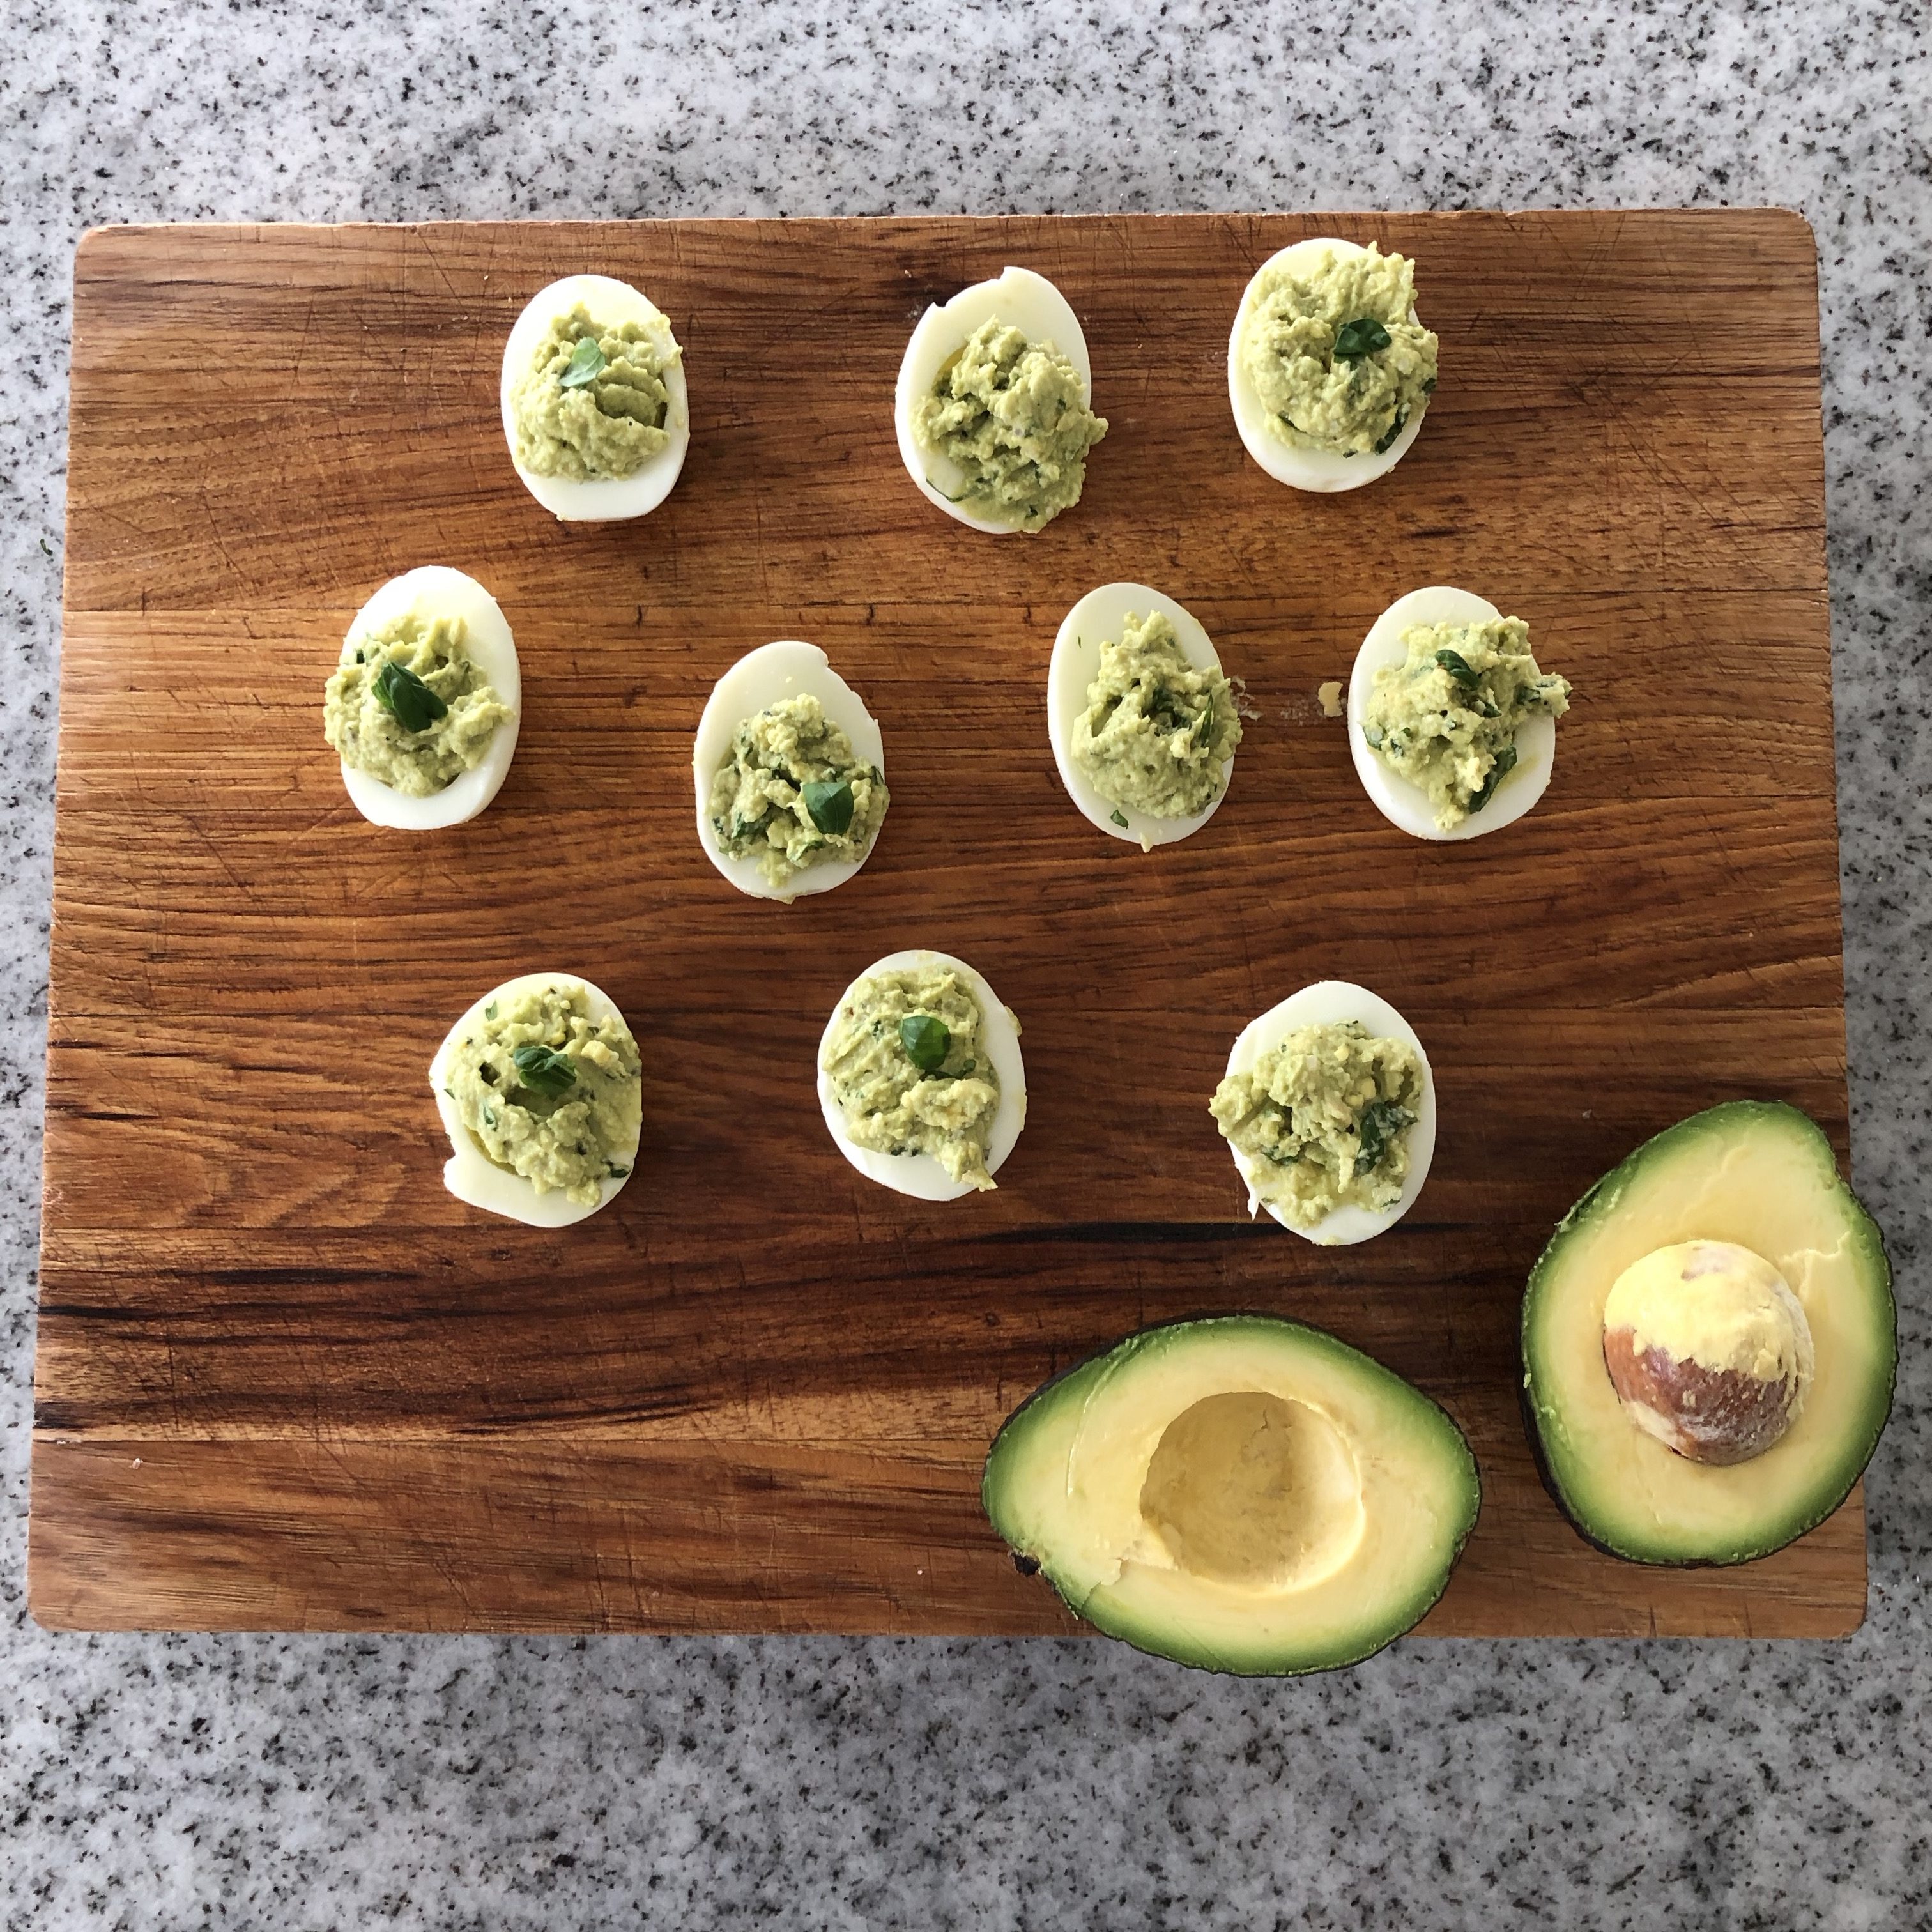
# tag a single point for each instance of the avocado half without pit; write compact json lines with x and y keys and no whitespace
{"x":1241,"y":1494}
{"x":1709,"y":1342}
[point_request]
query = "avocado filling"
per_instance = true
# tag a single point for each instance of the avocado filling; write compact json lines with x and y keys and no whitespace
{"x":792,"y":793}
{"x":1157,"y":733}
{"x":1251,"y":1490}
{"x":1010,"y":414}
{"x":1333,"y":351}
{"x":910,"y":1072}
{"x":1446,"y":719}
{"x":549,"y":1093}
{"x":592,"y":404}
{"x":1321,"y":1121}
{"x":408,"y":706}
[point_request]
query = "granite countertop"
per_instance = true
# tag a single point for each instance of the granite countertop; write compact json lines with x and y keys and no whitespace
{"x":460,"y":1782}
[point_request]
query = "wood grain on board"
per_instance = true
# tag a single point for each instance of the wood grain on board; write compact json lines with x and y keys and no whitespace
{"x":285,"y":1380}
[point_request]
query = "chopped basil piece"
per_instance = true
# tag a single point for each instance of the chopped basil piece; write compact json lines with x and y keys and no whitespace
{"x":543,"y":1070}
{"x":1394,"y":430}
{"x":926,"y":1041}
{"x":830,"y":802}
{"x":1505,"y":763}
{"x":615,"y":1172}
{"x":1363,"y":337}
{"x":406,"y":698}
{"x":1458,"y":668}
{"x":587,"y":362}
{"x":1382,"y":1121}
{"x":490,"y":1011}
{"x":1119,"y":818}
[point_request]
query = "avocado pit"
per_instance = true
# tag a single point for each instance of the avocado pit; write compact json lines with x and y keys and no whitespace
{"x":1253,"y":1490}
{"x":1708,"y":1350}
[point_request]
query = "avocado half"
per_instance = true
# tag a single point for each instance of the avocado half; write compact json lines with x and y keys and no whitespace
{"x":1240,"y":1493}
{"x":1763,"y":1174}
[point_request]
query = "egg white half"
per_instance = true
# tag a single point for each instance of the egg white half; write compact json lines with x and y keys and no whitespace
{"x":603,"y":499}
{"x":920,"y":1174}
{"x":1408,"y":805}
{"x":758,"y":681}
{"x":1326,"y":1003}
{"x":470,"y":1173}
{"x":1099,"y":618}
{"x":1321,"y":470}
{"x":431,"y":591}
{"x":1019,"y":297}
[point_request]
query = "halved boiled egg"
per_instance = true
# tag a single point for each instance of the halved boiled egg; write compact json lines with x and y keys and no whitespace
{"x":761,"y":678}
{"x":921,"y":1175}
{"x":1405,"y":804}
{"x":427,"y":593}
{"x":1324,"y":471}
{"x":1021,"y":299}
{"x":603,"y":499}
{"x":470,"y":1173}
{"x":1097,"y":619}
{"x":1329,"y":1002}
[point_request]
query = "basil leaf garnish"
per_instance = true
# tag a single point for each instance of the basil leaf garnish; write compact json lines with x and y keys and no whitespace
{"x":587,"y":362}
{"x":543,"y":1070}
{"x":1119,"y":818}
{"x":926,"y":1040}
{"x":1458,"y":668}
{"x":1394,"y":430}
{"x":1382,"y":1121}
{"x":406,"y":698}
{"x":1363,"y":337}
{"x":830,"y":802}
{"x":1505,"y":763}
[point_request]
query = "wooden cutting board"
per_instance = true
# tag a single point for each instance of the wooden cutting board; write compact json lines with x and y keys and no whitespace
{"x":285,"y":1380}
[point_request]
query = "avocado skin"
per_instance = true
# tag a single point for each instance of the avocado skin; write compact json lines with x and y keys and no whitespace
{"x":1710,"y":1118}
{"x":1106,"y":1361}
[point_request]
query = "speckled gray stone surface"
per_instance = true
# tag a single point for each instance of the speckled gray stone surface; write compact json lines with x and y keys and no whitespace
{"x":447,"y":1783}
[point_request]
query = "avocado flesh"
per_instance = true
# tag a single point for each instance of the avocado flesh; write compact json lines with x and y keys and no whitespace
{"x":1241,"y":1494}
{"x":1763,"y":1174}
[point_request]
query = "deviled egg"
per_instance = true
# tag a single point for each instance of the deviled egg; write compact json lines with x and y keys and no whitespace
{"x":593,"y":400}
{"x":540,"y":1088}
{"x":1328,"y":1107}
{"x":920,"y":1078}
{"x":1141,"y":718}
{"x":423,"y":706}
{"x":1477,"y":725}
{"x":993,"y":405}
{"x":789,"y":769}
{"x":1329,"y":371}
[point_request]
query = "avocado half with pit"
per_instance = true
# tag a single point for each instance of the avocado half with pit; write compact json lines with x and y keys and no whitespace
{"x":1751,"y":1183}
{"x":1239,"y":1493}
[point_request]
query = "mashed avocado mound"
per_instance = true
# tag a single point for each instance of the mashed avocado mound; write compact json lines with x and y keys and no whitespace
{"x":1334,"y":353}
{"x":1010,"y":414}
{"x":592,"y":404}
{"x":1157,"y":732}
{"x":408,"y":706}
{"x":1446,"y":719}
{"x":909,"y":1073}
{"x":792,"y":793}
{"x":549,"y":1093}
{"x":1325,"y":1118}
